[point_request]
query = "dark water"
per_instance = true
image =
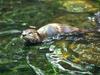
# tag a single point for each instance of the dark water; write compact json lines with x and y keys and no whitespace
{"x":55,"y":56}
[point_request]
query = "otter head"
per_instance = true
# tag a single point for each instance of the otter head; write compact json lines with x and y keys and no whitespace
{"x":31,"y":36}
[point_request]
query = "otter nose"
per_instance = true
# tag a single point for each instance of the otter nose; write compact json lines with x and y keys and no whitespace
{"x":23,"y":35}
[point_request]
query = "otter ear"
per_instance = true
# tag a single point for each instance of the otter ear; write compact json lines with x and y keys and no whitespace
{"x":32,"y":27}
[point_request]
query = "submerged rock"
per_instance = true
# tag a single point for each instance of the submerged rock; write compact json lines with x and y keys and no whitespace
{"x":91,"y":55}
{"x":79,"y":5}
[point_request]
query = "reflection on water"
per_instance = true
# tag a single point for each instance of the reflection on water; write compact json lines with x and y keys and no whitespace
{"x":70,"y":54}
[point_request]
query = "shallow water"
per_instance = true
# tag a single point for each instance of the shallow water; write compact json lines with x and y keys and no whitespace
{"x":58,"y":55}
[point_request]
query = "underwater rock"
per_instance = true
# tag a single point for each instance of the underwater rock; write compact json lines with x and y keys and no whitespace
{"x":78,"y":5}
{"x":91,"y":56}
{"x":89,"y":53}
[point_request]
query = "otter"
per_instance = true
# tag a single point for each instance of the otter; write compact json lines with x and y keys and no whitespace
{"x":33,"y":35}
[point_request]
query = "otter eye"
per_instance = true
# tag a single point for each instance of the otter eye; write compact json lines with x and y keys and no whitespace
{"x":30,"y":33}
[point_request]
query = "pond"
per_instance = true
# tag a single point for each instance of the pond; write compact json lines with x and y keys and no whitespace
{"x":67,"y":54}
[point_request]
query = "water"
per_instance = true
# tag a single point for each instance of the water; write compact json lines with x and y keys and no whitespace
{"x":56,"y":55}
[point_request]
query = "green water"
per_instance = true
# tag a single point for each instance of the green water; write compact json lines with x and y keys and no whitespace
{"x":17,"y":59}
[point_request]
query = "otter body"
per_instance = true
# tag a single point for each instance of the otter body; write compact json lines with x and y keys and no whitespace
{"x":35,"y":36}
{"x":55,"y":28}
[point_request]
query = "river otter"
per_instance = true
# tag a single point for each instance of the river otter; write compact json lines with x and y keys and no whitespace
{"x":36,"y":36}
